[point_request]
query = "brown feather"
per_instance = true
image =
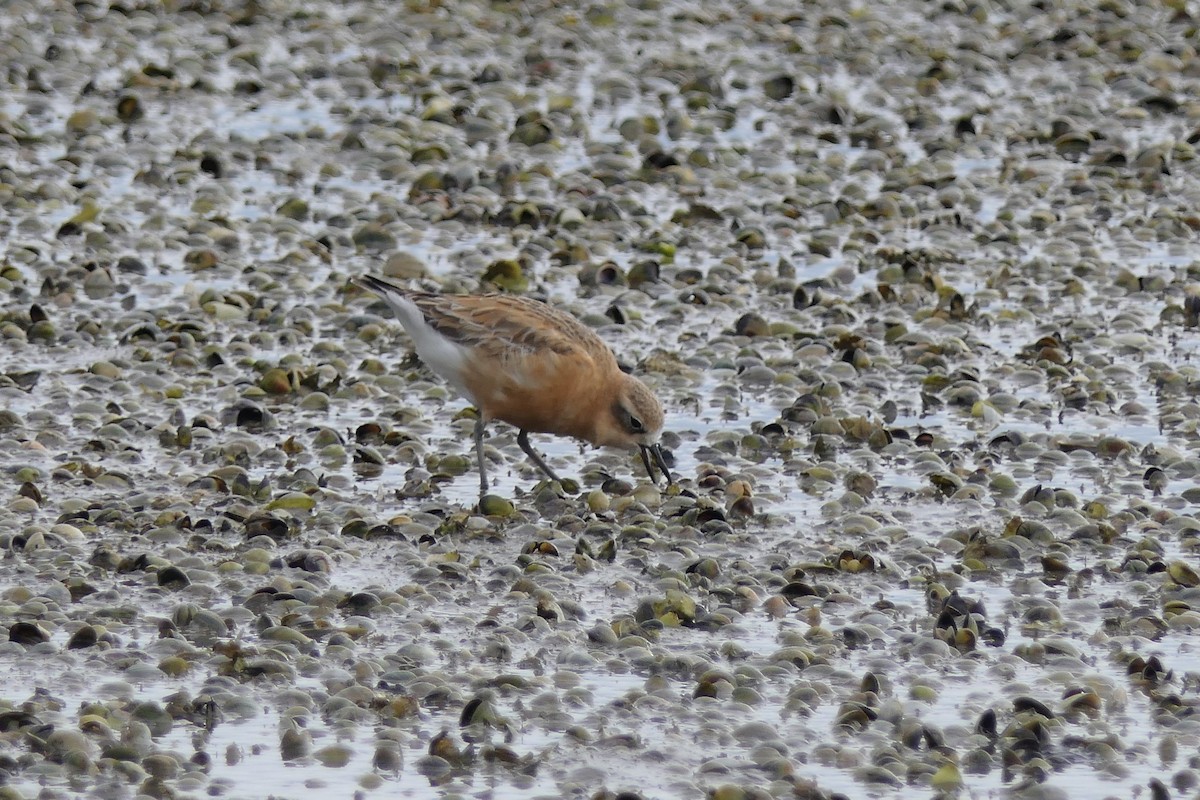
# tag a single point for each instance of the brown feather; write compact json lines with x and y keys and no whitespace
{"x":497,"y":324}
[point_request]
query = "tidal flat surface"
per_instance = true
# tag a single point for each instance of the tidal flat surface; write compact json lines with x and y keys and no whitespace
{"x":918,"y":285}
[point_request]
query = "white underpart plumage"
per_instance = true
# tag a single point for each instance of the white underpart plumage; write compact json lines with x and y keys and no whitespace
{"x":444,"y":356}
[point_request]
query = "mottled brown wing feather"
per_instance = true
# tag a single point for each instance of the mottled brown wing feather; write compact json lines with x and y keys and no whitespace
{"x":497,"y":324}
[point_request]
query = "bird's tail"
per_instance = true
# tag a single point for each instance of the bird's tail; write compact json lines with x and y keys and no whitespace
{"x":379,"y":286}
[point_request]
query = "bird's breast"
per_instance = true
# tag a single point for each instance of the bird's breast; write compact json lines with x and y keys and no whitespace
{"x":541,"y":393}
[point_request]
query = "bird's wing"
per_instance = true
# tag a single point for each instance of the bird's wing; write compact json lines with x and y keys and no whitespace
{"x":508,"y":327}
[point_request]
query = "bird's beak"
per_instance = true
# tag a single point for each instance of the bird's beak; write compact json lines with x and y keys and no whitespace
{"x":659,"y":461}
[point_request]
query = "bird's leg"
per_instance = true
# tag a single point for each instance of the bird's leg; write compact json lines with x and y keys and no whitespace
{"x":523,"y":440}
{"x":483,"y":482}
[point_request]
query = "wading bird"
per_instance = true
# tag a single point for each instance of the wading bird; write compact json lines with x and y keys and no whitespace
{"x":526,"y":363}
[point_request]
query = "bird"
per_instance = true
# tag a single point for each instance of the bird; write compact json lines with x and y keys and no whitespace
{"x":524,"y":362}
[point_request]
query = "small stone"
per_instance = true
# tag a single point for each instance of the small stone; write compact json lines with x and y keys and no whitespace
{"x":275,"y":381}
{"x":403,"y":266}
{"x":106,"y":369}
{"x":495,"y":506}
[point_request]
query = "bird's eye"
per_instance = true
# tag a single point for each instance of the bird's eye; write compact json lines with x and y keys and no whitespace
{"x":635,"y":425}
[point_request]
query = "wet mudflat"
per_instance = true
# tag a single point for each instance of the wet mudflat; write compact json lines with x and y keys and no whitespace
{"x":918,"y":286}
